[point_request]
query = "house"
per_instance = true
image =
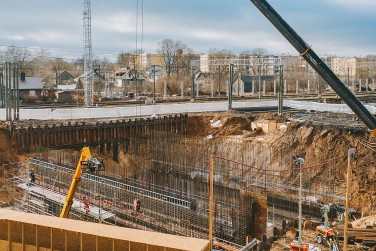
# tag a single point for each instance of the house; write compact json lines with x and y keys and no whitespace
{"x":31,"y":88}
{"x":96,"y":77}
{"x":129,"y":80}
{"x":68,"y":93}
{"x":126,"y":76}
{"x":159,"y":72}
{"x":65,"y":78}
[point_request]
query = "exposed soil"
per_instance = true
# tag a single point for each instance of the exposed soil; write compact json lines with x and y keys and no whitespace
{"x":313,"y":141}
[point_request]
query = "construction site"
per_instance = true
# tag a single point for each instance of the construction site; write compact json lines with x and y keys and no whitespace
{"x":284,"y":167}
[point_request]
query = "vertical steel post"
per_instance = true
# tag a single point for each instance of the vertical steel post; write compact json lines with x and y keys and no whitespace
{"x":153,"y":84}
{"x":280,"y":92}
{"x":182,"y":89}
{"x":229,"y":94}
{"x":350,"y":153}
{"x":211,"y":192}
{"x":193,"y":86}
{"x":300,"y":204}
{"x":259,"y":79}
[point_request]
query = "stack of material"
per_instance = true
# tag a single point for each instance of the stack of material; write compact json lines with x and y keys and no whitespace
{"x":365,"y":237}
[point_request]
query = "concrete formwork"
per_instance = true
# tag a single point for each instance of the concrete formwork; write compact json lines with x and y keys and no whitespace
{"x":24,"y":231}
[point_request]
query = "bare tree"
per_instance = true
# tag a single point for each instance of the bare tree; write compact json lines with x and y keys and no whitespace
{"x":40,"y":63}
{"x":175,"y":55}
{"x":19,"y":55}
{"x":127,"y":59}
{"x":260,"y":52}
{"x":219,"y":69}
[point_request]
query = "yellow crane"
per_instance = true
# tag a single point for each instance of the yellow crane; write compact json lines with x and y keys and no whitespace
{"x":85,"y":162}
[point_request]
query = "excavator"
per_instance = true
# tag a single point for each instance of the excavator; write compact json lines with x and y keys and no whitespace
{"x":85,"y":163}
{"x":322,"y":69}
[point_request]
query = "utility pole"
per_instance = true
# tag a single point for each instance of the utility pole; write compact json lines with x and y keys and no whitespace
{"x":350,"y":154}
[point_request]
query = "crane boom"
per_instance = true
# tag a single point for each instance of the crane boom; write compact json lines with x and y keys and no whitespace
{"x":84,"y":159}
{"x":317,"y":64}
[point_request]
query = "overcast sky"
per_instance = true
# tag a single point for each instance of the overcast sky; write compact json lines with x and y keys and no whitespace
{"x":335,"y":27}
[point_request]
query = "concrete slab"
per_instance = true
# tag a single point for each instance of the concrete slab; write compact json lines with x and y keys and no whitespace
{"x":60,"y":198}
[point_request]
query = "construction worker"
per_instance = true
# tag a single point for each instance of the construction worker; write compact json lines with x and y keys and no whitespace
{"x":136,"y":206}
{"x":32,"y":176}
{"x":86,"y":202}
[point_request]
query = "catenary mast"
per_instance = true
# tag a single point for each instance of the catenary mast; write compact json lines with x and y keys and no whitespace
{"x":88,"y":56}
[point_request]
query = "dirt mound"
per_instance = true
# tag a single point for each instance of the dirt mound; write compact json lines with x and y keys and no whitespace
{"x":8,"y":149}
{"x":365,"y":222}
{"x":218,"y":125}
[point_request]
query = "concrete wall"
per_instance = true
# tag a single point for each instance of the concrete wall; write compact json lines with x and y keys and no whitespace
{"x":23,"y":231}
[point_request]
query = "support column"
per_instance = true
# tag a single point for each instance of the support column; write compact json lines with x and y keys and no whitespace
{"x":165,"y":89}
{"x":308,"y":87}
{"x":182,"y":89}
{"x":229,"y":87}
{"x":115,"y":156}
{"x":353,"y":86}
{"x":367,"y":85}
{"x":360,"y":85}
{"x":197,"y":89}
{"x":297,"y":87}
{"x":212,"y":88}
{"x":285,"y":86}
{"x":193,"y":87}
{"x":263,"y":88}
{"x":253,"y":87}
{"x":211,"y":188}
{"x":280,"y":92}
{"x":350,"y":153}
{"x":274,"y":87}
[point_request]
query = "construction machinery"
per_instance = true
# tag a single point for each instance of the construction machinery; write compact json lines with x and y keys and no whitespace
{"x":324,"y":234}
{"x":317,"y":64}
{"x":85,"y":163}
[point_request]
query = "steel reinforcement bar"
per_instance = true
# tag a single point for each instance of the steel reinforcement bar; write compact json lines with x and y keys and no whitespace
{"x":67,"y":135}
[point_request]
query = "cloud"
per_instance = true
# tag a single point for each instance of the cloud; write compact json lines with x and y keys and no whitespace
{"x":365,"y":5}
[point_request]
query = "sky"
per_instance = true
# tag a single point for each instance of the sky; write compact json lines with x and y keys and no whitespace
{"x":332,"y":27}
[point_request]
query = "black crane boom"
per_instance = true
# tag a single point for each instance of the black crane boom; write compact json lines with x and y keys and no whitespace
{"x":317,"y":64}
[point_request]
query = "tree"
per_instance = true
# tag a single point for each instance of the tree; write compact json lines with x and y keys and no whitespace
{"x":127,"y":59}
{"x":80,"y":84}
{"x":260,"y":52}
{"x":176,"y":55}
{"x":218,"y":67}
{"x":40,"y":63}
{"x":19,"y":55}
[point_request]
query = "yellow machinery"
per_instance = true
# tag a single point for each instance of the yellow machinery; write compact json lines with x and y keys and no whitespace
{"x":86,"y":162}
